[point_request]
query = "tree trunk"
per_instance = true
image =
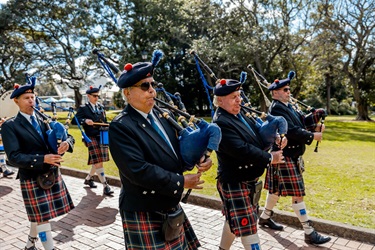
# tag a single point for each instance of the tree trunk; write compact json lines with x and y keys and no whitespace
{"x":77,"y":97}
{"x":362,"y":106}
{"x":328,"y":80}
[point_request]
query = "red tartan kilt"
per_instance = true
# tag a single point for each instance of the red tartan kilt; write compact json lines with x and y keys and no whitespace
{"x":237,"y":208}
{"x":142,"y":230}
{"x":97,"y":153}
{"x":312,"y":119}
{"x":43,"y":205}
{"x":285,"y":179}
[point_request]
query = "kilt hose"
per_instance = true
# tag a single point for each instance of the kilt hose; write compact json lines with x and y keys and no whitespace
{"x":241,"y":215}
{"x":43,"y":205}
{"x":97,"y":153}
{"x":142,"y":230}
{"x":285,"y":178}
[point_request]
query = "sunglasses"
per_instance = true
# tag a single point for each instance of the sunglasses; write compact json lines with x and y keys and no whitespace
{"x":146,"y":85}
{"x":96,"y":96}
{"x":286,"y":89}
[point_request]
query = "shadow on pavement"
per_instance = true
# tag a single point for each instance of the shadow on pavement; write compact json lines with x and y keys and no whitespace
{"x":4,"y":190}
{"x":85,"y":213}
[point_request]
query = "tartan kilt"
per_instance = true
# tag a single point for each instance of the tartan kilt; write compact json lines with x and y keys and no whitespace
{"x":237,"y":208}
{"x":285,"y":178}
{"x":97,"y":153}
{"x":142,"y":230}
{"x":43,"y":205}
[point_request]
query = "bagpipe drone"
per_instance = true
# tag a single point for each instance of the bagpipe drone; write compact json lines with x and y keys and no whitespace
{"x":269,"y":128}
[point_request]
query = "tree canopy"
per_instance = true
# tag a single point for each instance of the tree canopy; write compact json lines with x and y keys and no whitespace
{"x":329,"y":44}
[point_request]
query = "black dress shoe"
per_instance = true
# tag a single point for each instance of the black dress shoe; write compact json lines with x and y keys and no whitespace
{"x":107,"y":190}
{"x":31,"y":248}
{"x":270,"y":223}
{"x":90,"y":183}
{"x":316,"y":239}
{"x":7,"y":172}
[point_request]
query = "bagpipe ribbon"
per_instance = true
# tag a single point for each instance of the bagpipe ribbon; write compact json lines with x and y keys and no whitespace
{"x":206,"y":86}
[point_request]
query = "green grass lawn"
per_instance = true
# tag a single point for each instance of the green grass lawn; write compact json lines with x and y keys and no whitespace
{"x":339,"y":178}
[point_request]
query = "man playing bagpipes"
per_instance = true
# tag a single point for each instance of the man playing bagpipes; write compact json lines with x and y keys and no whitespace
{"x":88,"y":116}
{"x":242,"y":160}
{"x":286,"y":179}
{"x":27,"y":143}
{"x":146,"y":150}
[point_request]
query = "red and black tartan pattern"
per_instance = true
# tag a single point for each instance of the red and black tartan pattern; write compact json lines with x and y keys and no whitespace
{"x":237,"y":208}
{"x":97,"y":153}
{"x":142,"y":230}
{"x":43,"y":205}
{"x":311,"y":120}
{"x":286,"y":179}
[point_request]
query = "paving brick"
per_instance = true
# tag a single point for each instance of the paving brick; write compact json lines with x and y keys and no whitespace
{"x":96,"y":224}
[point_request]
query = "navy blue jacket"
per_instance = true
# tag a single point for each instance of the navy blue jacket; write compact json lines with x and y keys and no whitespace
{"x":87,"y":112}
{"x":150,"y":173}
{"x":297,"y":134}
{"x":25,"y":148}
{"x":240,"y":156}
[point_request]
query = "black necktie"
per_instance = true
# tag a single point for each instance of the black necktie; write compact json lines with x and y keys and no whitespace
{"x":247,"y":125}
{"x":156,"y":127}
{"x":36,"y":126}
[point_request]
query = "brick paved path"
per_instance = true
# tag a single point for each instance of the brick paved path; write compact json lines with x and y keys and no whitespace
{"x":95,"y":223}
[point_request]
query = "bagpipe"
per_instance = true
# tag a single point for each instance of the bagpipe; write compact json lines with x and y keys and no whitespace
{"x":56,"y":132}
{"x":268,"y":126}
{"x":310,"y":120}
{"x":195,"y":141}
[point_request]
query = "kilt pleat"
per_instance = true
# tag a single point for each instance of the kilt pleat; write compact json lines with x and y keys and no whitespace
{"x":43,"y":205}
{"x":97,"y":153}
{"x":237,"y":208}
{"x":285,"y":178}
{"x":142,"y":230}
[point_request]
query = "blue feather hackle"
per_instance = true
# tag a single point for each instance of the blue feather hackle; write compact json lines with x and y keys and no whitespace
{"x":33,"y":80}
{"x":156,"y":57}
{"x":243,"y":77}
{"x":291,"y":75}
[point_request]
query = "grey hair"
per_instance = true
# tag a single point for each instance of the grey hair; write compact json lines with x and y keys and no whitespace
{"x":124,"y":96}
{"x":215,"y":102}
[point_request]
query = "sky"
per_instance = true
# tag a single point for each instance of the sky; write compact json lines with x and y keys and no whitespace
{"x":3,"y":1}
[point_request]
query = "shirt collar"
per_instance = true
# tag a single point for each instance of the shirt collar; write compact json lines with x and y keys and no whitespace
{"x":141,"y":112}
{"x":28,"y":117}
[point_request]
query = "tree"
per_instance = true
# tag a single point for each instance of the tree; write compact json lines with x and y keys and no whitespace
{"x":14,"y":57}
{"x":55,"y":34}
{"x":352,"y":24}
{"x":260,"y":33}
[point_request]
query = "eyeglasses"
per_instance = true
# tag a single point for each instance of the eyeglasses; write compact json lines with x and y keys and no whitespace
{"x":95,"y":96}
{"x":146,"y":85}
{"x":286,"y":89}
